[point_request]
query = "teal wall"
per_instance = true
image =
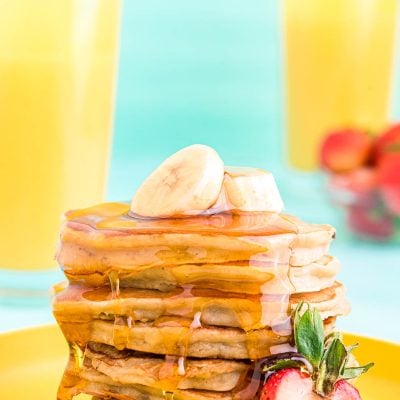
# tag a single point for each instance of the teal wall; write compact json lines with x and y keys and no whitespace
{"x":197,"y":72}
{"x":202,"y":72}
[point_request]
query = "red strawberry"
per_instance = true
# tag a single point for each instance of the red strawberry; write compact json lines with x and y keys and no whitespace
{"x":354,"y":187}
{"x":344,"y":391}
{"x":345,"y":150}
{"x":388,"y":178}
{"x":288,"y":384}
{"x":361,"y":180}
{"x":324,"y":359}
{"x":387,"y":142}
{"x":370,"y":223}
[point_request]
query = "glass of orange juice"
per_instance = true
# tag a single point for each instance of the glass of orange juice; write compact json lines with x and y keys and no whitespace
{"x":339,"y":61}
{"x":57,"y":84}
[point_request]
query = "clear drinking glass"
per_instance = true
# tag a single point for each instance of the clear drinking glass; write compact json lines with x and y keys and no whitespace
{"x":339,"y":67}
{"x":57,"y":82}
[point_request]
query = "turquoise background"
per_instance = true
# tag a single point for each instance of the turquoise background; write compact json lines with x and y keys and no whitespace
{"x":206,"y":72}
{"x":197,"y":72}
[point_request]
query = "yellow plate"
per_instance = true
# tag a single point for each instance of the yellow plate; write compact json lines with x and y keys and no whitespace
{"x":32,"y":362}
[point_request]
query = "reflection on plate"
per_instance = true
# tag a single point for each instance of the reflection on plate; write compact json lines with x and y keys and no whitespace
{"x":32,"y":362}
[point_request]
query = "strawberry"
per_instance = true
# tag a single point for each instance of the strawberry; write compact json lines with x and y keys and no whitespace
{"x":320,"y":369}
{"x":344,"y":391}
{"x":387,"y":142}
{"x":388,"y":178}
{"x":360,"y":180}
{"x":293,"y":384}
{"x":370,"y":223}
{"x":288,"y":384}
{"x":345,"y":150}
{"x":354,"y":187}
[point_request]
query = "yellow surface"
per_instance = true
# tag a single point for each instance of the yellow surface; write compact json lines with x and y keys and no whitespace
{"x":32,"y":362}
{"x":57,"y":70}
{"x":339,"y":68}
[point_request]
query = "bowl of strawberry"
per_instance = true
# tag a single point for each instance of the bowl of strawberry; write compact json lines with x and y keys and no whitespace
{"x":364,"y":180}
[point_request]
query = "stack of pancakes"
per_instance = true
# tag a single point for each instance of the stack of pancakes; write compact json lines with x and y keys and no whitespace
{"x":185,"y":308}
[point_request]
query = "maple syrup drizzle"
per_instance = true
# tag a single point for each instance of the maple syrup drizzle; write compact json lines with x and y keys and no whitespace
{"x":181,"y":366}
{"x":169,"y":395}
{"x":168,"y":368}
{"x":113,"y":277}
{"x":78,"y":355}
{"x":121,"y":332}
{"x":115,"y":216}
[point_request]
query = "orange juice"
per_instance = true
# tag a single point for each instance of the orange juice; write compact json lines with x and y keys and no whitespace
{"x":339,"y":56}
{"x":57,"y":73}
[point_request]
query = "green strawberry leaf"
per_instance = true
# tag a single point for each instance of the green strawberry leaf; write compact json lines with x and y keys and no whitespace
{"x":349,"y":349}
{"x":355,"y":372}
{"x":282,"y":364}
{"x":296,"y":314}
{"x":331,"y":366}
{"x":309,"y":334}
{"x":329,"y":357}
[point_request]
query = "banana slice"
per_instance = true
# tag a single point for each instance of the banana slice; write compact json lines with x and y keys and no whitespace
{"x":187,"y":183}
{"x":251,"y":189}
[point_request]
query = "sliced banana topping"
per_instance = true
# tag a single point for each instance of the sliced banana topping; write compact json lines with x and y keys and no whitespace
{"x":194,"y":181}
{"x":251,"y":189}
{"x":187,"y":183}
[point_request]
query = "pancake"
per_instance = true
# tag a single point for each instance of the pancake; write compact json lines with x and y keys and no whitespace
{"x":243,"y":277}
{"x":165,"y":373}
{"x":102,"y":239}
{"x":83,"y":305}
{"x":105,"y":372}
{"x":181,"y":336}
{"x":175,"y":337}
{"x":89,"y":382}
